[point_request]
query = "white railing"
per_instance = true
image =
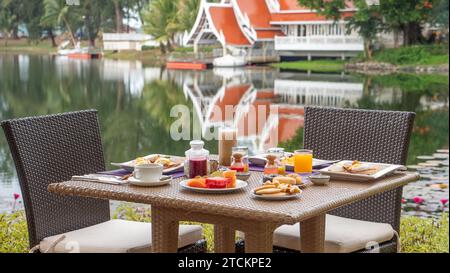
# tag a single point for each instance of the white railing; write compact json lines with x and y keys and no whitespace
{"x":320,"y":43}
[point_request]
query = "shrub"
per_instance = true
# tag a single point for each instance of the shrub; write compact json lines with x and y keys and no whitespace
{"x":13,"y":233}
{"x":414,"y":55}
{"x":424,"y":235}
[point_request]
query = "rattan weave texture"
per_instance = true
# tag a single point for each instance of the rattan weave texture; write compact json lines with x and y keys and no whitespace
{"x":50,"y":149}
{"x":314,"y":200}
{"x":373,"y":136}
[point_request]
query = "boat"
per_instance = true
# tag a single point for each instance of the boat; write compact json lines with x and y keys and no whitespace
{"x":229,"y":61}
{"x":178,"y":65}
{"x":78,"y":52}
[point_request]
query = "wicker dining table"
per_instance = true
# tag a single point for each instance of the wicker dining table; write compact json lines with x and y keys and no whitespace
{"x":230,"y":212}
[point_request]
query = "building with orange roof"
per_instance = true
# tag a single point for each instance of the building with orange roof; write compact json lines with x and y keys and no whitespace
{"x":281,"y":27}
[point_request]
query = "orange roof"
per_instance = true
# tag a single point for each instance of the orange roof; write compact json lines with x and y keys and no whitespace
{"x":225,"y":20}
{"x":292,"y":5}
{"x":257,"y":11}
{"x":310,"y":16}
{"x":269,"y":34}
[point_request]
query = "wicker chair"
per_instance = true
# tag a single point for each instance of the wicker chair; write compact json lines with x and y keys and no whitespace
{"x":52,"y":149}
{"x":373,"y":136}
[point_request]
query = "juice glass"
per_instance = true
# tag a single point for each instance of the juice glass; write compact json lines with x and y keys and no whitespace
{"x":303,"y":161}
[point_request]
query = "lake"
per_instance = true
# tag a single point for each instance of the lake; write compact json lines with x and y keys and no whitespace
{"x":134,"y":104}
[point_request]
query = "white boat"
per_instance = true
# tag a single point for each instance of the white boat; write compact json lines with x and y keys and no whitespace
{"x":229,"y":61}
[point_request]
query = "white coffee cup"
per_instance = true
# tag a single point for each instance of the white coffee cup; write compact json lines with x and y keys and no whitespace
{"x":148,"y":172}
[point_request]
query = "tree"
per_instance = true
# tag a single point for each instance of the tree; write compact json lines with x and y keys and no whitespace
{"x":12,"y":14}
{"x":57,"y":13}
{"x":159,"y":19}
{"x":407,"y":17}
{"x":6,"y":23}
{"x":366,"y":21}
{"x":93,"y":17}
{"x":439,"y":13}
{"x":187,"y":14}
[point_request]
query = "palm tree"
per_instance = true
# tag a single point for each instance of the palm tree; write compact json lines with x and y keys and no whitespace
{"x":159,"y":21}
{"x":187,"y":14}
{"x":57,"y":12}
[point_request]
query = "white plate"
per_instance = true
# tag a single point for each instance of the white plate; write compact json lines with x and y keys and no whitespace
{"x":260,"y":160}
{"x":129,"y":165}
{"x":164,"y":181}
{"x":385,"y":170}
{"x":277,"y":198}
{"x":239,"y":185}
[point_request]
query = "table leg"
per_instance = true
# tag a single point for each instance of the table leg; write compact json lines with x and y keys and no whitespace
{"x":224,"y":239}
{"x":313,"y":234}
{"x":259,"y":239}
{"x":164,"y":231}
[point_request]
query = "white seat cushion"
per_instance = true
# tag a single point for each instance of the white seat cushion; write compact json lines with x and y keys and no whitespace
{"x":342,"y":235}
{"x":116,"y":236}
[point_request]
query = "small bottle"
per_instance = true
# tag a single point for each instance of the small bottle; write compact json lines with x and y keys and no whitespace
{"x":239,"y":159}
{"x":237,"y":164}
{"x":280,"y":154}
{"x":272,"y":165}
{"x":197,"y":160}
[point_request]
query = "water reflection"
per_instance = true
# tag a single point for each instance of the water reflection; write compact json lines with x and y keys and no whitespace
{"x":134,"y":103}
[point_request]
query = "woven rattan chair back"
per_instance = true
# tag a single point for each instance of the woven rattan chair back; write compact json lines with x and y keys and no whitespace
{"x":51,"y":149}
{"x":373,"y":136}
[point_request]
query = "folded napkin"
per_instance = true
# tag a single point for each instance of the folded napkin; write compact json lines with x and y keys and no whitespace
{"x":100,"y":178}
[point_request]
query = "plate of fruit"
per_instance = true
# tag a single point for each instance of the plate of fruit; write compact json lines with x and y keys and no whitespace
{"x":218,"y":182}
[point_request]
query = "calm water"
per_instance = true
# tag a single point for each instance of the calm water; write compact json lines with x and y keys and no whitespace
{"x":134,"y":105}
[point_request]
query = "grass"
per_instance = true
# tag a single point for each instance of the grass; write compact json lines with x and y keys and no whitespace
{"x":150,"y":56}
{"x":313,"y":66}
{"x":422,"y":55}
{"x":25,"y":46}
{"x":418,"y":235}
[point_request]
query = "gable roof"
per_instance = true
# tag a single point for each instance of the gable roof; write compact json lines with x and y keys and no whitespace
{"x":224,"y":21}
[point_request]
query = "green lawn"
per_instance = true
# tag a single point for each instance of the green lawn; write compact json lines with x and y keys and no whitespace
{"x":24,"y":46}
{"x":313,"y":66}
{"x":414,"y":55}
{"x":418,"y":235}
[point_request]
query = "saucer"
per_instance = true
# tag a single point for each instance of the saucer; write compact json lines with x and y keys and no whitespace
{"x":165,"y":179}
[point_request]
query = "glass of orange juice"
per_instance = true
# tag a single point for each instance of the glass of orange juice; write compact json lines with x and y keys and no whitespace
{"x":303,"y":161}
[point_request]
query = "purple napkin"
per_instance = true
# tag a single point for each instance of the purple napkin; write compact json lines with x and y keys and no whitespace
{"x":123,"y":172}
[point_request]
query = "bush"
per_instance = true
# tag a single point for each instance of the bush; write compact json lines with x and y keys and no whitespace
{"x":13,"y":233}
{"x":414,"y":55}
{"x":424,"y":235}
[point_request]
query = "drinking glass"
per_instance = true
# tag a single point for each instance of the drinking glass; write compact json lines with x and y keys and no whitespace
{"x":303,"y":161}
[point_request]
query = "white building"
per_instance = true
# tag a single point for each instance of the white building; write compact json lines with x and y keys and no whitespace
{"x":127,"y":41}
{"x":280,"y":25}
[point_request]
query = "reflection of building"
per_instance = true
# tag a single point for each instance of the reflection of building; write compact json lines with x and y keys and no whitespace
{"x":283,"y":25}
{"x":266,"y":112}
{"x":332,"y":94}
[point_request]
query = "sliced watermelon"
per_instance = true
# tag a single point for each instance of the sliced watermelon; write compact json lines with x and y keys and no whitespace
{"x":217,"y":182}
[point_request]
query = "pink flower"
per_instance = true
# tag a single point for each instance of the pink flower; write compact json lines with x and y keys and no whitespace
{"x":16,"y":196}
{"x":403,"y":201}
{"x":444,"y":202}
{"x":418,"y":200}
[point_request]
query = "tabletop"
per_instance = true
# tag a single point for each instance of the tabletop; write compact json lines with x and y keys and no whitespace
{"x":313,"y":201}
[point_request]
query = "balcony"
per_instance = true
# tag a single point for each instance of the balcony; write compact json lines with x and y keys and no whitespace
{"x":319,"y":43}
